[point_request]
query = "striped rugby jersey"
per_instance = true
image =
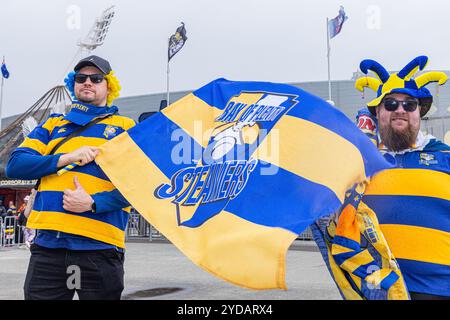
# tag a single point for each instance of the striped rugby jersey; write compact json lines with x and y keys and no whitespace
{"x":48,"y":213}
{"x":412,"y":203}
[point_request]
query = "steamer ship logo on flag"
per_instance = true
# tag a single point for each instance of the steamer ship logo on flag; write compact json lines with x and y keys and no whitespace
{"x":226,"y":163}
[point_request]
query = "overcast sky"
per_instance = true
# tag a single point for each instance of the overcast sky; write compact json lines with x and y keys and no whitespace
{"x":265,"y":40}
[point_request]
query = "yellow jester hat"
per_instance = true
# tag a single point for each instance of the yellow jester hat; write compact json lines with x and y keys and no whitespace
{"x":401,"y":82}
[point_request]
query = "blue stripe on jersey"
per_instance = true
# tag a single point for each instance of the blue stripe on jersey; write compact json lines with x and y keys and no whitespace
{"x":54,"y":203}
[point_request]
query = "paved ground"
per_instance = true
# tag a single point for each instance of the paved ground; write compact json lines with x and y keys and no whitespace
{"x":158,"y":270}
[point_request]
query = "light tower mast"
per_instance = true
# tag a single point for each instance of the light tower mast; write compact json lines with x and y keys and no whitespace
{"x":97,"y":34}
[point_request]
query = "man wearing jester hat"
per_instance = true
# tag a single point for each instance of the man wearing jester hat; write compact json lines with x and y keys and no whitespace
{"x":79,"y":216}
{"x":412,"y":201}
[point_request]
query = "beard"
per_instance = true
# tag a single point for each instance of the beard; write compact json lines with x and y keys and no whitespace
{"x":396,"y":140}
{"x":86,"y":99}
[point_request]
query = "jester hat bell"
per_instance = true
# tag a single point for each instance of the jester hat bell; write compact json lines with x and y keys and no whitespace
{"x":401,"y":82}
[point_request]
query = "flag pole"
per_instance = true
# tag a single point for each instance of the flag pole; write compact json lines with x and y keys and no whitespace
{"x":328,"y":58}
{"x":168,"y":73}
{"x":1,"y":97}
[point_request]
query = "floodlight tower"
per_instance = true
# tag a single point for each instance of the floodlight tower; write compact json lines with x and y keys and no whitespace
{"x":95,"y":38}
{"x":97,"y":34}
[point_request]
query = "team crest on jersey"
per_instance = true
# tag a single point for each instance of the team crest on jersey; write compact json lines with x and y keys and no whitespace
{"x":427,"y":159}
{"x":226,"y":164}
{"x":110,"y":132}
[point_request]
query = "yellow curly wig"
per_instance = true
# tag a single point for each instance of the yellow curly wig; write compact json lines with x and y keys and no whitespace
{"x":113,"y":88}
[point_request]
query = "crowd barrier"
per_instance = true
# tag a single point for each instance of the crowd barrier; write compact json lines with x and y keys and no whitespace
{"x":11,"y":233}
{"x":139,"y":228}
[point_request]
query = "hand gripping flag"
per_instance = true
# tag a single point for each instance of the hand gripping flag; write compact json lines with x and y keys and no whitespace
{"x":233,"y":172}
{"x":335,"y":25}
{"x":177,"y":40}
{"x":357,"y":254}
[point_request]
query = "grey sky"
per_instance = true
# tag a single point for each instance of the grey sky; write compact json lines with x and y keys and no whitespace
{"x":277,"y":40}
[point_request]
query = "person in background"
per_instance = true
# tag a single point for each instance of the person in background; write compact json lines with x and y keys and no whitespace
{"x":2,"y":209}
{"x":10,"y":221}
{"x":28,"y":233}
{"x":12,"y":209}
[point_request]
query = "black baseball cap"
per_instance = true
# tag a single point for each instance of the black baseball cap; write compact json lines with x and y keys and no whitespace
{"x":95,"y":61}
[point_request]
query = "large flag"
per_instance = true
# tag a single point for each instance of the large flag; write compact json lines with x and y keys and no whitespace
{"x":232,"y":173}
{"x":335,"y":25}
{"x":5,"y":72}
{"x":177,"y":40}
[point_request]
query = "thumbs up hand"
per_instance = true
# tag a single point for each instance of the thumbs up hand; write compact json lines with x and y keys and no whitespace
{"x":77,"y":200}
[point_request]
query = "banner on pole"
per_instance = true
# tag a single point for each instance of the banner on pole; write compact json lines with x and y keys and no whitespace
{"x":5,"y":72}
{"x":177,"y":41}
{"x":335,"y":25}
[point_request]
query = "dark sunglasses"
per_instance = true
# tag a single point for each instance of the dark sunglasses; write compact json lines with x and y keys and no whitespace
{"x":95,"y":78}
{"x":408,"y":105}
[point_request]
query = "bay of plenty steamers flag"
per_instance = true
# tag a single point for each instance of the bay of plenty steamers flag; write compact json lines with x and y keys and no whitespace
{"x":234,"y":171}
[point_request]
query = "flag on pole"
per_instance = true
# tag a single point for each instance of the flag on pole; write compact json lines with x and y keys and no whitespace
{"x":232,"y":173}
{"x":177,"y":40}
{"x":335,"y":25}
{"x":5,"y":72}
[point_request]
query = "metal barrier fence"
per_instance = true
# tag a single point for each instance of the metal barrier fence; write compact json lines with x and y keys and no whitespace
{"x":11,"y":233}
{"x":306,"y":235}
{"x":139,"y":228}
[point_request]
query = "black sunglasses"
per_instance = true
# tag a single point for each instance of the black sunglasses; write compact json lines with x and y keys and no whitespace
{"x":408,"y":105}
{"x":95,"y":78}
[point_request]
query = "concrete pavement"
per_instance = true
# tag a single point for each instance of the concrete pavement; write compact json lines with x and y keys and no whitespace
{"x":160,"y":271}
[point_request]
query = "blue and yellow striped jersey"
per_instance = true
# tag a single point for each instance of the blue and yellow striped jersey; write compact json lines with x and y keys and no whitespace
{"x":48,"y":213}
{"x":412,"y":203}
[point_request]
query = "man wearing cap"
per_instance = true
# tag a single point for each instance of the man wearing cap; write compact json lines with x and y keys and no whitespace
{"x":79,"y":216}
{"x":411,"y":201}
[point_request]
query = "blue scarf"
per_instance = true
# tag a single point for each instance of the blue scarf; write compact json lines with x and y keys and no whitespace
{"x":83,"y":113}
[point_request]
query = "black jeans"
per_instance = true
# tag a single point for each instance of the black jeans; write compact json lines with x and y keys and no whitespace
{"x":56,"y":274}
